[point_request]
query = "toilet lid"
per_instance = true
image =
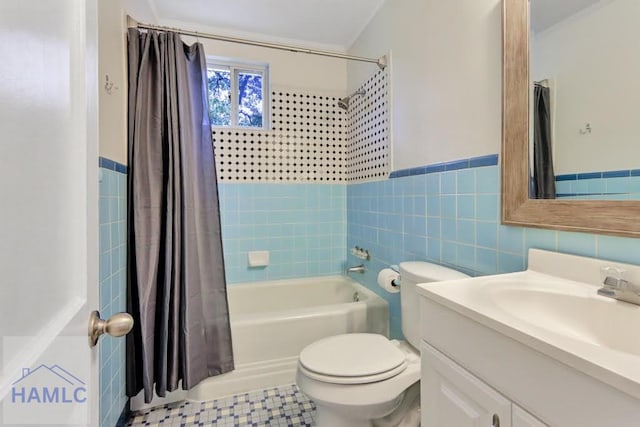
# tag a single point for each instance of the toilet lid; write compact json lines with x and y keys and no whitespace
{"x":353,"y":358}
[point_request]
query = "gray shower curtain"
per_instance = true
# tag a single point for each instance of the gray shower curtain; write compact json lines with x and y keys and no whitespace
{"x":544,"y":179}
{"x":176,"y":287}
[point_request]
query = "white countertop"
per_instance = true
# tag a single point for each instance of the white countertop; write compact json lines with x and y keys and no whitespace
{"x":561,"y":318}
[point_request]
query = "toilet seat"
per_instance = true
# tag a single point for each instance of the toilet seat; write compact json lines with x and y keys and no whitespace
{"x":352,"y":359}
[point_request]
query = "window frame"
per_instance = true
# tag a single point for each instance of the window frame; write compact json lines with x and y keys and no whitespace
{"x":235,"y":67}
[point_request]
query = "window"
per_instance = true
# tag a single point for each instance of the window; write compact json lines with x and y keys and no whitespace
{"x":238,"y":94}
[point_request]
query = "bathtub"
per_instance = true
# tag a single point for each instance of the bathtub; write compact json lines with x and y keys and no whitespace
{"x":271,"y":322}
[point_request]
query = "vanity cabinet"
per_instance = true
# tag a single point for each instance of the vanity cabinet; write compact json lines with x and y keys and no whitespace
{"x":462,"y":357}
{"x":453,"y":397}
{"x":521,"y":418}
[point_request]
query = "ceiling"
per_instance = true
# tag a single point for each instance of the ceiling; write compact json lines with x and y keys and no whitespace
{"x":545,"y":13}
{"x":329,"y":23}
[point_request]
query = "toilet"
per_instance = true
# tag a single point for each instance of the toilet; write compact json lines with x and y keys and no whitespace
{"x":364,"y":380}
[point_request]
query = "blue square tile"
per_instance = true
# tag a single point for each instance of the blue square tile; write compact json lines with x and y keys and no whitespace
{"x":114,"y":230}
{"x":596,"y":185}
{"x":448,"y":206}
{"x":105,"y":238}
{"x":579,"y":186}
{"x":104,"y":213}
{"x":433,"y":249}
{"x":407,"y":205}
{"x":564,"y":187}
{"x":448,"y":183}
{"x":433,"y":227}
{"x":448,"y":229}
{"x":419,"y":183}
{"x":401,"y":186}
{"x":466,"y":257}
{"x":466,"y":231}
{"x":466,"y":181}
{"x":510,"y":263}
{"x":416,"y":225}
{"x":433,"y":206}
{"x":416,"y":245}
{"x":617,"y":185}
{"x":634,"y":184}
{"x":577,"y":243}
{"x":487,"y":234}
{"x":619,"y":249}
{"x":511,"y":239}
{"x":487,"y":207}
{"x":486,"y":261}
{"x":538,"y":238}
{"x":466,"y":206}
{"x":433,"y":184}
{"x":111,"y":183}
{"x":420,"y":206}
{"x":487,"y":180}
{"x":449,"y":253}
{"x":122,"y":185}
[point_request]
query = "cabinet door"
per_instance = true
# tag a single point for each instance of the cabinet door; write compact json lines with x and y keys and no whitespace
{"x":452,"y":397}
{"x":522,"y":418}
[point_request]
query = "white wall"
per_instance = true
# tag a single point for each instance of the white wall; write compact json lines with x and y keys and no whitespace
{"x":111,"y":62}
{"x":287,"y":69}
{"x":446,"y":77}
{"x":594,"y":63}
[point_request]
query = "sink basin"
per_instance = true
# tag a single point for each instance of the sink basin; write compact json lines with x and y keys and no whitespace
{"x":553,"y":307}
{"x":573,"y":310}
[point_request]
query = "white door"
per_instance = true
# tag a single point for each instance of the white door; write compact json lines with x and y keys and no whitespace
{"x":452,"y":397}
{"x":48,"y":211}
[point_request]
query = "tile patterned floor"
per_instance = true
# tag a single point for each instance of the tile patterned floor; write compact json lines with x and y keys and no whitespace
{"x":283,"y":406}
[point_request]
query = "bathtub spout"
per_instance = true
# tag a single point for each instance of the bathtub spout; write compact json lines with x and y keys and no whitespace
{"x":356,"y":269}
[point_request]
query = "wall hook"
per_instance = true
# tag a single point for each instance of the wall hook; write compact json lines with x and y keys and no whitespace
{"x":586,"y":130}
{"x":109,"y":86}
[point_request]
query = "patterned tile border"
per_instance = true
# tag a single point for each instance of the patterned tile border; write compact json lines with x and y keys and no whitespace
{"x":592,"y":175}
{"x":109,"y":164}
{"x":473,"y":162}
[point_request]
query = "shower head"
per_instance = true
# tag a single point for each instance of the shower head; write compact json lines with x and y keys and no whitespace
{"x":344,"y":102}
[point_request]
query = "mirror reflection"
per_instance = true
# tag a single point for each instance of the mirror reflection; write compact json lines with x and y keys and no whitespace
{"x":585,"y":99}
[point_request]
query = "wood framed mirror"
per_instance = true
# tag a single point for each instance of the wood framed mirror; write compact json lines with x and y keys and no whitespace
{"x":594,"y":216}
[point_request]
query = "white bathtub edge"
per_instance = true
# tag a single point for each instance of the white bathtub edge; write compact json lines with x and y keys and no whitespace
{"x":246,"y":378}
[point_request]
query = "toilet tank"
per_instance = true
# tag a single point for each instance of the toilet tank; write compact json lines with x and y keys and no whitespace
{"x":412,"y":273}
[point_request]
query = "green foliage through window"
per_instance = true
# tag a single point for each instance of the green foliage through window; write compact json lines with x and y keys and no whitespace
{"x":236,"y":96}
{"x":250,"y":99}
{"x":219,"y":97}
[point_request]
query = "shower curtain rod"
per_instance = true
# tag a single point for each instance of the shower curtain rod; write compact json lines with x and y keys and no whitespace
{"x":380,"y":62}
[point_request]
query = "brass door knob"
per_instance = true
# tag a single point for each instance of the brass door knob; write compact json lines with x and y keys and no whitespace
{"x":117,"y":325}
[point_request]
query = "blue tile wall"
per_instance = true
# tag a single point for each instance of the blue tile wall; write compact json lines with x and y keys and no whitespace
{"x":608,"y":185}
{"x":451,"y":216}
{"x":112,"y":267}
{"x":301,"y":225}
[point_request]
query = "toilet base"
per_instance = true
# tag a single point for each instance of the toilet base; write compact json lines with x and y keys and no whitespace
{"x":330,"y":418}
{"x":402,"y":412}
